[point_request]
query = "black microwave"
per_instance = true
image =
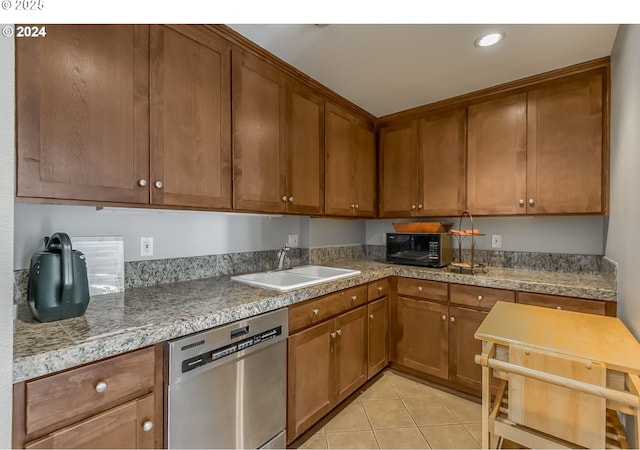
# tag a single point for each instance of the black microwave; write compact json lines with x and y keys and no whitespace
{"x":419,"y":249}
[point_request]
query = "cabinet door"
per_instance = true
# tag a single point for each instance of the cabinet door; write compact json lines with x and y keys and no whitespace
{"x":119,"y":427}
{"x":351,"y":351}
{"x":378,"y":354}
{"x":82,"y":113}
{"x":463,"y":347}
{"x":421,"y":336}
{"x":310,"y":370}
{"x":398,"y":170}
{"x":565,"y":149}
{"x":190,"y":118}
{"x":441,"y":164}
{"x":305,"y":151}
{"x":339,"y":165}
{"x":259,"y":130}
{"x":365,"y":170}
{"x":496,"y":152}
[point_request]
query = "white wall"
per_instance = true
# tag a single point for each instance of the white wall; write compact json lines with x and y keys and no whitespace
{"x":623,"y":238}
{"x":561,"y":234}
{"x":327,"y":232}
{"x":175,"y":233}
{"x":7,"y":170}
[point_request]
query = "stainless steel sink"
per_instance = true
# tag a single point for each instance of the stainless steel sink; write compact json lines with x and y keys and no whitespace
{"x":296,"y":278}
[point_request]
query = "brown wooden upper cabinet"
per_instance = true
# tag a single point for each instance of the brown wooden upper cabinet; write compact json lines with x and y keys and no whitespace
{"x":277,"y":140}
{"x":83,"y":115}
{"x":350,"y":152}
{"x":541,"y":152}
{"x":190,"y":100}
{"x":127,"y":114}
{"x":422,"y":166}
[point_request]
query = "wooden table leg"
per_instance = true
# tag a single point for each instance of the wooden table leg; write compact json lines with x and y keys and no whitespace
{"x":486,"y":405}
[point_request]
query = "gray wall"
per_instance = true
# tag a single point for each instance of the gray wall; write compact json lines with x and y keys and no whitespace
{"x":7,"y":170}
{"x":177,"y":233}
{"x":564,"y":234}
{"x":623,"y":238}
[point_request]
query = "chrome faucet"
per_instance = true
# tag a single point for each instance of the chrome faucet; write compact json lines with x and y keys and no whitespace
{"x":282,"y":255}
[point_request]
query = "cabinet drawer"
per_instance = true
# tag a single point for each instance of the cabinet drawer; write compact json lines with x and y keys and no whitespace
{"x":567,"y":303}
{"x":378,"y":289}
{"x":432,"y":290}
{"x":75,"y":393}
{"x":479,"y":297}
{"x":319,"y":309}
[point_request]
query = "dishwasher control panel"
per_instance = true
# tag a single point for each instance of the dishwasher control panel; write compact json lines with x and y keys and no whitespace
{"x":229,"y":349}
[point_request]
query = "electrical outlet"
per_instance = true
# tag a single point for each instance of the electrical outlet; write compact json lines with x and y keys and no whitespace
{"x":146,"y":246}
{"x":496,"y":241}
{"x":293,"y":240}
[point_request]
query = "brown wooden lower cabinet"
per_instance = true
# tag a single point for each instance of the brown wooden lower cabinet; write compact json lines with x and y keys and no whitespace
{"x":112,"y":403}
{"x":119,"y":427}
{"x":568,"y":303}
{"x":420,"y":336}
{"x":463,"y":347}
{"x":378,"y":355}
{"x":327,"y":363}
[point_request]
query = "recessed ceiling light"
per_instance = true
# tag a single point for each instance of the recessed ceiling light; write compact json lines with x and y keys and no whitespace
{"x":489,"y":39}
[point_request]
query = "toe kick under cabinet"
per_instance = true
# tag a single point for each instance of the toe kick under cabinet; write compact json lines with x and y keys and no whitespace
{"x":336,"y":343}
{"x":113,"y":403}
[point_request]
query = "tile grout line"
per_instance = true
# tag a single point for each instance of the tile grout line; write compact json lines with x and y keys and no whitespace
{"x":411,"y":415}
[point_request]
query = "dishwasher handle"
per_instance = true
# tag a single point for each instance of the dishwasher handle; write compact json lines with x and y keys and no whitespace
{"x":239,"y":332}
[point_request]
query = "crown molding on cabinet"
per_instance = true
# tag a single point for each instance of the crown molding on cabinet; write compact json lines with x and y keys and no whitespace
{"x":239,"y":41}
{"x":511,"y":87}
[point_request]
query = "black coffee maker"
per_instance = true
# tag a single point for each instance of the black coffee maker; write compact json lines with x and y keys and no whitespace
{"x":58,"y":286}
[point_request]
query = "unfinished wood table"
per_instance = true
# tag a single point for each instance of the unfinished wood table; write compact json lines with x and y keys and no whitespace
{"x":564,"y":377}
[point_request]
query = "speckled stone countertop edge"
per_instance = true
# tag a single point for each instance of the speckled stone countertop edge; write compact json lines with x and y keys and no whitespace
{"x":76,"y":352}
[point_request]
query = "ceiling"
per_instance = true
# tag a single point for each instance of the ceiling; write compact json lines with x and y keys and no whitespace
{"x":389,"y":68}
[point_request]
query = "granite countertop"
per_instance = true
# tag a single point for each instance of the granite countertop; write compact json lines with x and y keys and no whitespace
{"x":116,"y":323}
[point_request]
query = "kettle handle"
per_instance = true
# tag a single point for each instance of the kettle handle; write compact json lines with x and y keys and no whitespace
{"x":62,"y":242}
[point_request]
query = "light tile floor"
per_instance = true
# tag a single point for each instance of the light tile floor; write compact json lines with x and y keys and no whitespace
{"x":397,"y":412}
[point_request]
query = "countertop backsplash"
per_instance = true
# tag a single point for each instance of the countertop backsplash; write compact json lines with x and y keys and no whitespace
{"x":162,"y":271}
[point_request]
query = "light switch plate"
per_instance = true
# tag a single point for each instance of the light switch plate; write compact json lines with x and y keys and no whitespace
{"x":293,"y":240}
{"x":496,"y":241}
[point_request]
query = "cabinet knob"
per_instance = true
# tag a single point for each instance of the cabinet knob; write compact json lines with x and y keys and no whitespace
{"x":158,"y":184}
{"x":333,"y":335}
{"x":101,"y":386}
{"x":558,"y":307}
{"x":531,"y":202}
{"x":479,"y":298}
{"x":316,"y":311}
{"x":444,"y":317}
{"x":371,"y":316}
{"x":419,"y":288}
{"x":142,"y":182}
{"x":291,"y":199}
{"x":147,"y":425}
{"x":356,"y":206}
{"x":452,"y":319}
{"x":339,"y":332}
{"x":379,"y":288}
{"x":353,"y":206}
{"x":354,"y":298}
{"x":413,"y":206}
{"x":419,"y":206}
{"x":284,"y":198}
{"x":521,"y":203}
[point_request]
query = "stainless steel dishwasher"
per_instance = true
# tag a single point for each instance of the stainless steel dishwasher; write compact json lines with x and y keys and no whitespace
{"x":227,"y":385}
